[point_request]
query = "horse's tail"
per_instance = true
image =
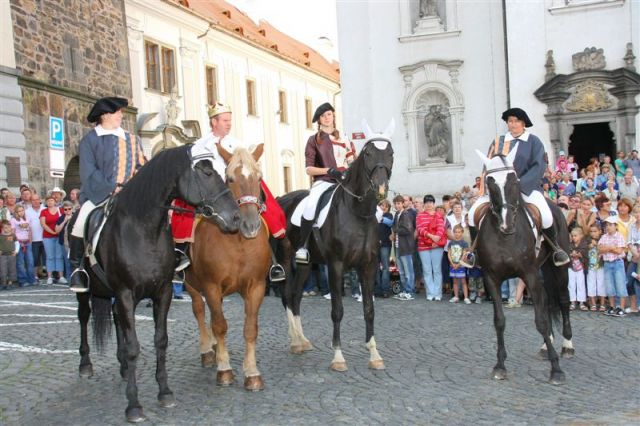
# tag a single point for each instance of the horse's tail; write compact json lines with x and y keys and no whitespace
{"x":101,"y":310}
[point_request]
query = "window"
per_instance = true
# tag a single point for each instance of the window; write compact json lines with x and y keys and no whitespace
{"x":211,"y":74}
{"x":307,"y":113}
{"x":13,"y":171}
{"x":286,"y":175}
{"x":282,"y":105}
{"x":251,"y":97}
{"x":161,"y":67}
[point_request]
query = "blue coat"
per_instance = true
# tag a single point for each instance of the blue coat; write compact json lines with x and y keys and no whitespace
{"x":530,"y":162}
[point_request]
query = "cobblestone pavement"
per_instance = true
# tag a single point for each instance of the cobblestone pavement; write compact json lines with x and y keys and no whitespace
{"x":438,"y":356}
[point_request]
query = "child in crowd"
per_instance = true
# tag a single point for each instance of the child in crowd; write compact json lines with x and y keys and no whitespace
{"x":22,"y":231}
{"x":476,"y":283}
{"x":611,"y":247}
{"x":457,"y":271}
{"x":595,"y":276}
{"x":9,"y":247}
{"x":579,"y":258}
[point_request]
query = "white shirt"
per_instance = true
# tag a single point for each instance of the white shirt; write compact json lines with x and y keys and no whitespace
{"x":207,"y":145}
{"x":33,"y":217}
{"x":101,"y":131}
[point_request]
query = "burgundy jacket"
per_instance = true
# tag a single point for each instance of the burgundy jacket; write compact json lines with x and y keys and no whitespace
{"x":321,"y":154}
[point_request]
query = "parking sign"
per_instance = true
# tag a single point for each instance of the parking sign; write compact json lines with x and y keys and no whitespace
{"x":56,"y":133}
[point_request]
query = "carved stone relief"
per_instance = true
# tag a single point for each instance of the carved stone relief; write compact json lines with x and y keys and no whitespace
{"x":434,"y":144}
{"x":589,"y":96}
{"x":589,"y":59}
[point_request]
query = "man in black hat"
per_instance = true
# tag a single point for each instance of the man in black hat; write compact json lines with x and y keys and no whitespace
{"x":529,"y":163}
{"x":109,"y":157}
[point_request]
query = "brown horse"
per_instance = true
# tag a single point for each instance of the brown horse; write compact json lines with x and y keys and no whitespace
{"x":224,"y":263}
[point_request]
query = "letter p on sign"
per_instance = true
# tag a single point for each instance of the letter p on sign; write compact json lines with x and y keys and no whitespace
{"x":56,"y":133}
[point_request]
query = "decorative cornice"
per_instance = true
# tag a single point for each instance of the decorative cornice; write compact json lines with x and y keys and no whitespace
{"x":432,"y":36}
{"x":585,"y":6}
{"x":450,"y":65}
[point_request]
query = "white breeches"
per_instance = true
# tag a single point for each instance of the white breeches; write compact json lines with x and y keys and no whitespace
{"x":312,"y":200}
{"x":78,"y":227}
{"x":536,"y":198}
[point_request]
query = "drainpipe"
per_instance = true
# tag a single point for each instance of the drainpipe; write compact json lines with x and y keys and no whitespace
{"x":506,"y":52}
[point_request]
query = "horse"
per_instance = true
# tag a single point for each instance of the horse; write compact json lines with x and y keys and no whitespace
{"x":136,"y":253}
{"x":223,"y":264}
{"x":506,"y":246}
{"x":347,"y":239}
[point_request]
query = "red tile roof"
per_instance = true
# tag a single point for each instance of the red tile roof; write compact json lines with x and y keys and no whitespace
{"x":225,"y":16}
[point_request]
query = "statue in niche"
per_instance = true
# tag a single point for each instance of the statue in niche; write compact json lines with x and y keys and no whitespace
{"x":437,"y":133}
{"x":428,"y":8}
{"x":172,"y":108}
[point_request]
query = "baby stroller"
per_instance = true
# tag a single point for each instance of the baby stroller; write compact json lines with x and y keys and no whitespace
{"x":394,"y":277}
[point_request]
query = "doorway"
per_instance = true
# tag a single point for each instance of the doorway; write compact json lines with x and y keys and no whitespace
{"x":591,"y":140}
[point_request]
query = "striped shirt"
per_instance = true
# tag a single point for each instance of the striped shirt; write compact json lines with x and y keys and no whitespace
{"x":433,"y":224}
{"x":615,"y":240}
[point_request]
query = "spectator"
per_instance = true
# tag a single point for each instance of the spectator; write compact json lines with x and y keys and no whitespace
{"x":633,"y":163}
{"x":431,"y":240}
{"x":603,"y":206}
{"x":579,"y":258}
{"x":458,"y":273}
{"x":9,"y":248}
{"x":600,"y":181}
{"x":580,"y":181}
{"x":74,"y":197}
{"x":383,"y":287}
{"x":595,"y":275}
{"x":628,"y":188}
{"x":611,"y":247}
{"x":612,"y":193}
{"x":590,"y":189}
{"x":63,"y":239}
{"x":418,"y":204}
{"x":561,"y":161}
{"x":548,"y":191}
{"x":583,"y":217}
{"x":10,"y":202}
{"x":573,"y":168}
{"x":25,"y":197}
{"x":37,"y":244}
{"x":58,"y":195}
{"x":48,"y":218}
{"x":566,"y":186}
{"x":403,"y":234}
{"x":633,"y":245}
{"x":4,"y":211}
{"x":22,"y":231}
{"x":619,"y":165}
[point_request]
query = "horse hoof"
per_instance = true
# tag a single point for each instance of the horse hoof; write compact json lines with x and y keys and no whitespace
{"x":544,"y":354}
{"x":499,"y":373}
{"x":208,"y":360}
{"x":296,"y":349}
{"x":135,"y":415}
{"x":557,"y":378}
{"x":253,"y":383}
{"x":568,"y":353}
{"x":225,"y":378}
{"x":167,"y":400}
{"x":377,"y":364}
{"x":339,"y":366}
{"x":86,"y":370}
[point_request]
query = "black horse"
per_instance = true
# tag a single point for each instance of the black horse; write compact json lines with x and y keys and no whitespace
{"x":136,"y":252}
{"x":507,"y":249}
{"x":348,"y":239}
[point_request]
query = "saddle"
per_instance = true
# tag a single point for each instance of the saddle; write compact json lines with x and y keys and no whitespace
{"x":92,"y":231}
{"x":532,"y":212}
{"x":321,"y":211}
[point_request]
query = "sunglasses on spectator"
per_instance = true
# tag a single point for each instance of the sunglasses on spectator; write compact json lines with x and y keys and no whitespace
{"x":66,"y":209}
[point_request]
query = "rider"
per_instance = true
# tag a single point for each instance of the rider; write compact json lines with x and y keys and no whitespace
{"x":109,"y":157}
{"x":220,"y":121}
{"x":529,"y":163}
{"x":326,"y":159}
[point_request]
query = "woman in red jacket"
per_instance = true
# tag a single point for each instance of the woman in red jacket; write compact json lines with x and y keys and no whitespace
{"x":432,"y":237}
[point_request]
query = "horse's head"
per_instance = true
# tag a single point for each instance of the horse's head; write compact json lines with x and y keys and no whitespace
{"x":243,"y":179}
{"x":202,"y":187}
{"x":504,"y":189}
{"x":377,"y":157}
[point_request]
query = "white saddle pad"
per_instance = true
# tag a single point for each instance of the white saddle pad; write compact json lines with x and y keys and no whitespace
{"x":296,"y":218}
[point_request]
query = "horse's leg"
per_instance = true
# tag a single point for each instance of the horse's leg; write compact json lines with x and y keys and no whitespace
{"x":293,"y":297}
{"x":225,"y":376}
{"x":335,"y":284}
{"x":252,"y":301}
{"x":493,"y":287}
{"x":543,"y":323}
{"x":125,"y":305}
{"x":84,"y":313}
{"x":120,"y":352}
{"x":207,"y":352}
{"x":367,"y":278}
{"x":161,"y":304}
{"x":567,"y":345}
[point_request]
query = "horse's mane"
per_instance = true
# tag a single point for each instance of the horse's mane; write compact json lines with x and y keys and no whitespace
{"x":242,"y":156}
{"x":143,"y":191}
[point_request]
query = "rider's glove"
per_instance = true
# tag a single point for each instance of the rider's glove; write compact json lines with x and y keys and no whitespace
{"x":335,"y":174}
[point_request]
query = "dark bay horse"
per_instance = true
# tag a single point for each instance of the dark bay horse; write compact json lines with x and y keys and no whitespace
{"x":136,"y":252}
{"x":507,"y":249}
{"x":347,"y":239}
{"x":223,"y":264}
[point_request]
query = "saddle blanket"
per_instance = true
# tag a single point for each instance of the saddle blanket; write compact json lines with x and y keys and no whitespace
{"x":296,"y":218}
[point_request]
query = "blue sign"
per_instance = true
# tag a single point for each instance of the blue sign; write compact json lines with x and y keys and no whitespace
{"x":56,"y":133}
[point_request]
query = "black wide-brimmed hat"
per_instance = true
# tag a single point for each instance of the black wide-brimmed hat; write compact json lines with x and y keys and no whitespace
{"x":519,"y":114}
{"x":106,"y":106}
{"x":321,"y":110}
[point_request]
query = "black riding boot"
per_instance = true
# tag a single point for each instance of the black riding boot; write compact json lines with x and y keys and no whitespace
{"x":559,"y":257}
{"x":276,"y":271}
{"x":469,"y":258}
{"x":302,"y":255}
{"x":79,"y":280}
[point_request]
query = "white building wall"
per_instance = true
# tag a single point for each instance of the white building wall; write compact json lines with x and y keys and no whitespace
{"x":236,"y":61}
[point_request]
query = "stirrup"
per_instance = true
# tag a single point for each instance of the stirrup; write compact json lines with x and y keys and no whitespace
{"x":183,"y":262}
{"x":276,"y":273}
{"x":302,"y":256}
{"x":178,"y":277}
{"x":560,"y":258}
{"x":75,"y":285}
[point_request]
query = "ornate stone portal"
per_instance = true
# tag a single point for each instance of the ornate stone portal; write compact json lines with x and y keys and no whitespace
{"x":592,"y":94}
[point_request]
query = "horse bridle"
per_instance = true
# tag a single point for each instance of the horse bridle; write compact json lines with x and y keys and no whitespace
{"x":514,"y":207}
{"x":372,"y":186}
{"x":251,"y":199}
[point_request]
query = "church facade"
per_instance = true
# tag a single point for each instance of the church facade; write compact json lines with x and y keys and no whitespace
{"x":445,"y":70}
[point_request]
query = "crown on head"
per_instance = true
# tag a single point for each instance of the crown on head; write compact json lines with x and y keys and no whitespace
{"x":217,"y":109}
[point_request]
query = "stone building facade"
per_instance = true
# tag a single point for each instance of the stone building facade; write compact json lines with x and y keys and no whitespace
{"x":67,"y":54}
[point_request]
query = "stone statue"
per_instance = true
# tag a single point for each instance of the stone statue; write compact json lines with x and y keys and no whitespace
{"x":437,"y":133}
{"x":629,"y":58}
{"x":589,"y":59}
{"x":172,"y":107}
{"x":428,"y":8}
{"x":550,"y":66}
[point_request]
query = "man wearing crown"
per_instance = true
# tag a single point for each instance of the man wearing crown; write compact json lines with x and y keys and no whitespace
{"x":182,"y":223}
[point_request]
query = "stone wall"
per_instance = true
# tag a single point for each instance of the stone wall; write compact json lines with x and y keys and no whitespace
{"x":68,"y":52}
